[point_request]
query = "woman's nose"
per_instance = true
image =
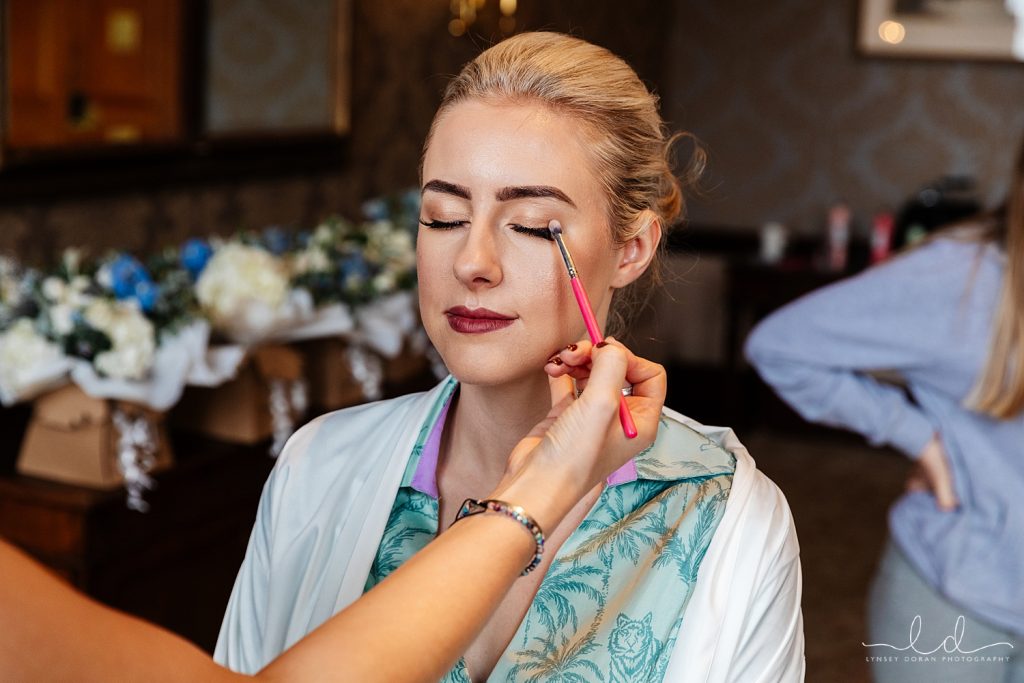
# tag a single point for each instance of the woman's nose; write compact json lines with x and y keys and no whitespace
{"x":477,"y":262}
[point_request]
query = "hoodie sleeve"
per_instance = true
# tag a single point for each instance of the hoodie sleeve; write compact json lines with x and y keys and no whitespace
{"x":819,"y":352}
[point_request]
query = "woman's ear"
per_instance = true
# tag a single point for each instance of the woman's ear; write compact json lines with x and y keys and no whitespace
{"x":635,"y":255}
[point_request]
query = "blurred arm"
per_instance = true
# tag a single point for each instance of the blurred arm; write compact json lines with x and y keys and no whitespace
{"x":816,"y":353}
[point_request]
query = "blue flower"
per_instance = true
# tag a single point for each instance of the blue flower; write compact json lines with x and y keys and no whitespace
{"x":275,"y":240}
{"x":146,"y":293}
{"x":194,"y":255}
{"x":353,"y":266}
{"x":125,"y":273}
{"x":375,"y":209}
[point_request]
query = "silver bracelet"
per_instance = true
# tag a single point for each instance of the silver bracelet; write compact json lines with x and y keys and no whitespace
{"x":471,"y":506}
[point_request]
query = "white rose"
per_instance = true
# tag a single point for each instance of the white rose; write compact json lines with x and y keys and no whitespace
{"x":61,"y":318}
{"x":24,"y":355}
{"x":72,"y":259}
{"x":323,"y":234}
{"x":105,"y":277}
{"x":54,"y":289}
{"x":311,"y":260}
{"x":79,"y":284}
{"x":131,"y":334}
{"x":100,"y":314}
{"x":384,"y":282}
{"x":132,"y":363}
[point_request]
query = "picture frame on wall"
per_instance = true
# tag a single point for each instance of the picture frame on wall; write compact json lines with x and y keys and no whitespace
{"x":290,"y":58}
{"x":942,"y":29}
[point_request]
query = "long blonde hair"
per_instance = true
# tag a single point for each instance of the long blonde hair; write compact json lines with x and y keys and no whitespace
{"x":999,"y":391}
{"x":630,"y":145}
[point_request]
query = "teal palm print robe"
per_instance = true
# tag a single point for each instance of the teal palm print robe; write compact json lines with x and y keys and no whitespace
{"x":614,"y":598}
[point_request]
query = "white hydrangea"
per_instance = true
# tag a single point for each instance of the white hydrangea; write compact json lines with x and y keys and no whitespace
{"x":62,"y":318}
{"x":65,"y":299}
{"x":54,"y":289}
{"x":72,"y":259}
{"x":26,"y":359}
{"x":323,"y":235}
{"x":131,"y":334}
{"x":394,"y":250}
{"x":310,"y":260}
{"x":242,"y":288}
{"x":384,"y":281}
{"x":390,"y":246}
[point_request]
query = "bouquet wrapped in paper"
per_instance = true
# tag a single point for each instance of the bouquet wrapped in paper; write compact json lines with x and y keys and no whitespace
{"x":125,"y":339}
{"x":370,"y":267}
{"x":244,"y":287}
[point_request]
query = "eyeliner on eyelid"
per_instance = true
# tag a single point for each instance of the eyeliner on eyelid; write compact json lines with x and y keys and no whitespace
{"x":442,"y":225}
{"x":544,"y":233}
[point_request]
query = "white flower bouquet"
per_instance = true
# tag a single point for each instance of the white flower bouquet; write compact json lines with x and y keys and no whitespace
{"x":370,"y":267}
{"x":127,"y":337}
{"x":121,"y":330}
{"x":127,"y":333}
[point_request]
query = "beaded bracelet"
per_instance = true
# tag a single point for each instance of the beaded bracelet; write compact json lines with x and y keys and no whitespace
{"x":471,"y":506}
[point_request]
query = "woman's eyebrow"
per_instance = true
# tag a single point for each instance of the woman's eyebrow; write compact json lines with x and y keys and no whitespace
{"x":533,"y":191}
{"x":445,"y":187}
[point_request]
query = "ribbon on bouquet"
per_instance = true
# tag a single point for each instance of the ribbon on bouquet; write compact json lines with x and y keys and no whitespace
{"x":367,"y":369}
{"x":288,"y":398}
{"x":136,"y":455}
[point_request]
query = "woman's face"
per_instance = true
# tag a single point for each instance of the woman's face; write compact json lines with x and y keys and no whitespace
{"x":494,"y":292}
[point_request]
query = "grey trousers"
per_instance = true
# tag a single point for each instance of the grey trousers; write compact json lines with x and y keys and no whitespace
{"x":937,"y":642}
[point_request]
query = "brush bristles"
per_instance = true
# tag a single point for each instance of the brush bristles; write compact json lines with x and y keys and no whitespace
{"x":555,"y":227}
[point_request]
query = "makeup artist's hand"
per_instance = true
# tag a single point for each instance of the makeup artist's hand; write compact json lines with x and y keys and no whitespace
{"x":580,"y":442}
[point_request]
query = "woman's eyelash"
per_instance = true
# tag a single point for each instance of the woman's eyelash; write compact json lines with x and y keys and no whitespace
{"x":442,"y":225}
{"x":536,"y":232}
{"x":448,"y":225}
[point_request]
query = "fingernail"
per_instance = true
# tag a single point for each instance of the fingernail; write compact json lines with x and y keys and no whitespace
{"x":555,"y":359}
{"x":601,"y":344}
{"x":571,"y":347}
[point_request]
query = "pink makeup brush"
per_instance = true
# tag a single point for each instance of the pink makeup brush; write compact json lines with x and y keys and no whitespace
{"x":628,"y":427}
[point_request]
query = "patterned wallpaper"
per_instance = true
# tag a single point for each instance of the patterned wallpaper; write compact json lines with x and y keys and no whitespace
{"x":794,"y":119}
{"x":402,"y":58}
{"x":256,"y":47}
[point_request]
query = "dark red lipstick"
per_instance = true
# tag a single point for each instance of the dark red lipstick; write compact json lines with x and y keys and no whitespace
{"x":476,"y":320}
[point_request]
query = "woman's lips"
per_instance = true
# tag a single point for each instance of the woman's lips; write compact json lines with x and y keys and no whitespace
{"x":476,"y":320}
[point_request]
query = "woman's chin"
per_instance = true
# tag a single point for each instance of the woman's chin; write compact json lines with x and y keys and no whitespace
{"x":490,"y":369}
{"x":476,"y":375}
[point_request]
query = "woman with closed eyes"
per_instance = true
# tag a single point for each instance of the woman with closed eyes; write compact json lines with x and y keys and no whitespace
{"x":683,"y":564}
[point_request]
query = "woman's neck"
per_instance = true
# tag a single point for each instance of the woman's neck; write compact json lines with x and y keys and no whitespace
{"x":484,"y":425}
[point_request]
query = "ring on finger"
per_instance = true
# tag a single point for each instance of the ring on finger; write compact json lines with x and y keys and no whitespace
{"x":627,"y":391}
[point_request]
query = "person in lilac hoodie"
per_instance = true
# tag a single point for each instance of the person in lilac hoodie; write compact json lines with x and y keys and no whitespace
{"x":946,"y":319}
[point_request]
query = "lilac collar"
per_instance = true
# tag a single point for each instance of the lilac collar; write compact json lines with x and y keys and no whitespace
{"x":424,"y":479}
